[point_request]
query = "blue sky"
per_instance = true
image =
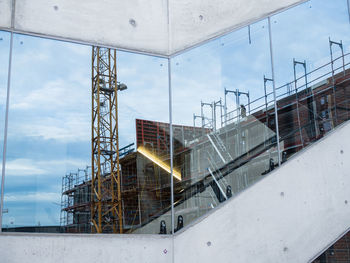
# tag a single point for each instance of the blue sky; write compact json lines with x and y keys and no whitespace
{"x":50,"y":111}
{"x":49,"y":120}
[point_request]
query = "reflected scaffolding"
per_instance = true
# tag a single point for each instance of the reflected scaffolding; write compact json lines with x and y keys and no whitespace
{"x":50,"y":141}
{"x":136,"y":194}
{"x":223,"y":112}
{"x":313,"y":62}
{"x":82,"y":161}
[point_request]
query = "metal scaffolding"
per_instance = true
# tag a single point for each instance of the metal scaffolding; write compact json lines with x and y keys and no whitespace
{"x":128,"y":190}
{"x":106,"y":208}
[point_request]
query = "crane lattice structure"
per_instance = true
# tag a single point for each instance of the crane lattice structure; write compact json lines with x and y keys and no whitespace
{"x":106,"y":210}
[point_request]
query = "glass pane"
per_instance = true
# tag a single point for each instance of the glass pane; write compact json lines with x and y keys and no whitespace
{"x":49,"y":129}
{"x":57,"y":180}
{"x":223,"y":115}
{"x":311,"y":48}
{"x":144,"y":122}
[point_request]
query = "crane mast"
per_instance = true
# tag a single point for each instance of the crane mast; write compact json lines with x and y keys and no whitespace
{"x":106,"y":210}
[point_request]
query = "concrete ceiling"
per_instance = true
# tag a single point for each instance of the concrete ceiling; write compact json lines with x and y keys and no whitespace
{"x":158,"y":27}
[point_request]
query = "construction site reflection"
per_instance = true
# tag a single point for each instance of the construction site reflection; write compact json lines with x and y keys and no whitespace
{"x":210,"y":166}
{"x":235,"y":143}
{"x":220,"y":146}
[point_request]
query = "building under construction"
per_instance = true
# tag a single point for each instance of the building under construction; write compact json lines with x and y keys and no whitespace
{"x":211,"y":162}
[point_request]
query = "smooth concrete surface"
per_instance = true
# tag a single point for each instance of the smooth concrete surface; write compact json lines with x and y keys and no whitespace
{"x":195,"y":21}
{"x":159,"y":27}
{"x":64,"y":248}
{"x":5,"y":13}
{"x":289,"y":216}
{"x":133,"y":24}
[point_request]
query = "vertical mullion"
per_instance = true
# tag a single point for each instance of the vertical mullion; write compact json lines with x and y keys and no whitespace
{"x":274,"y":92}
{"x":5,"y":131}
{"x":171,"y":149}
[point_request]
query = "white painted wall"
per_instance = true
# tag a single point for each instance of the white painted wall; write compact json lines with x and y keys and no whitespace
{"x":64,"y":248}
{"x":107,"y":22}
{"x":289,"y":216}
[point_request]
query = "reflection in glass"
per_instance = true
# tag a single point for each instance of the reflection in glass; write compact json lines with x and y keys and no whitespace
{"x":48,"y":132}
{"x":311,"y":47}
{"x":49,"y":174}
{"x":223,"y":112}
{"x":82,"y":159}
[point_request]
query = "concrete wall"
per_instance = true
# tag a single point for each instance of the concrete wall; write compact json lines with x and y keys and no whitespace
{"x":289,"y":216}
{"x":133,"y":24}
{"x":195,"y":21}
{"x":136,"y":25}
{"x":63,"y":248}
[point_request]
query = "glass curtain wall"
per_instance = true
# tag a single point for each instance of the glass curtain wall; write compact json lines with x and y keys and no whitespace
{"x":89,"y":137}
{"x":144,"y":123}
{"x":66,"y":140}
{"x":223,"y":120}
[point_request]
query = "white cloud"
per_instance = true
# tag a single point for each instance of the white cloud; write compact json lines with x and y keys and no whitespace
{"x":58,"y":110}
{"x":65,"y":129}
{"x":23,"y":167}
{"x":33,"y":197}
{"x":29,"y":167}
{"x":55,"y":95}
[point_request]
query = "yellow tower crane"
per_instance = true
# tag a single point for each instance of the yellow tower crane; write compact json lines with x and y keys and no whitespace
{"x":106,"y":210}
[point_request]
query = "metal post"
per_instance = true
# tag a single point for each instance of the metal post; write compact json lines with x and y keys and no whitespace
{"x":348,"y":2}
{"x":225,"y":108}
{"x":265,"y":90}
{"x":239,"y":93}
{"x":274,"y":93}
{"x":221,"y":113}
{"x":342,"y":54}
{"x":297,"y":101}
{"x":305,"y":72}
{"x":267,"y":117}
{"x":340,"y":45}
{"x":213,"y":115}
{"x":5,"y":130}
{"x":249,"y":35}
{"x":248,"y":102}
{"x":212,"y":109}
{"x":202,"y":114}
{"x":238,"y":123}
{"x":295,"y":63}
{"x":171,"y":149}
{"x":237,"y":103}
{"x":218,"y":104}
{"x":194,"y":119}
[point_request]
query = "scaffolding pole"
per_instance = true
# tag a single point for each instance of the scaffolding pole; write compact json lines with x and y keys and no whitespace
{"x":212,"y":115}
{"x":340,"y":45}
{"x":218,"y":104}
{"x":266,"y":113}
{"x":295,"y":63}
